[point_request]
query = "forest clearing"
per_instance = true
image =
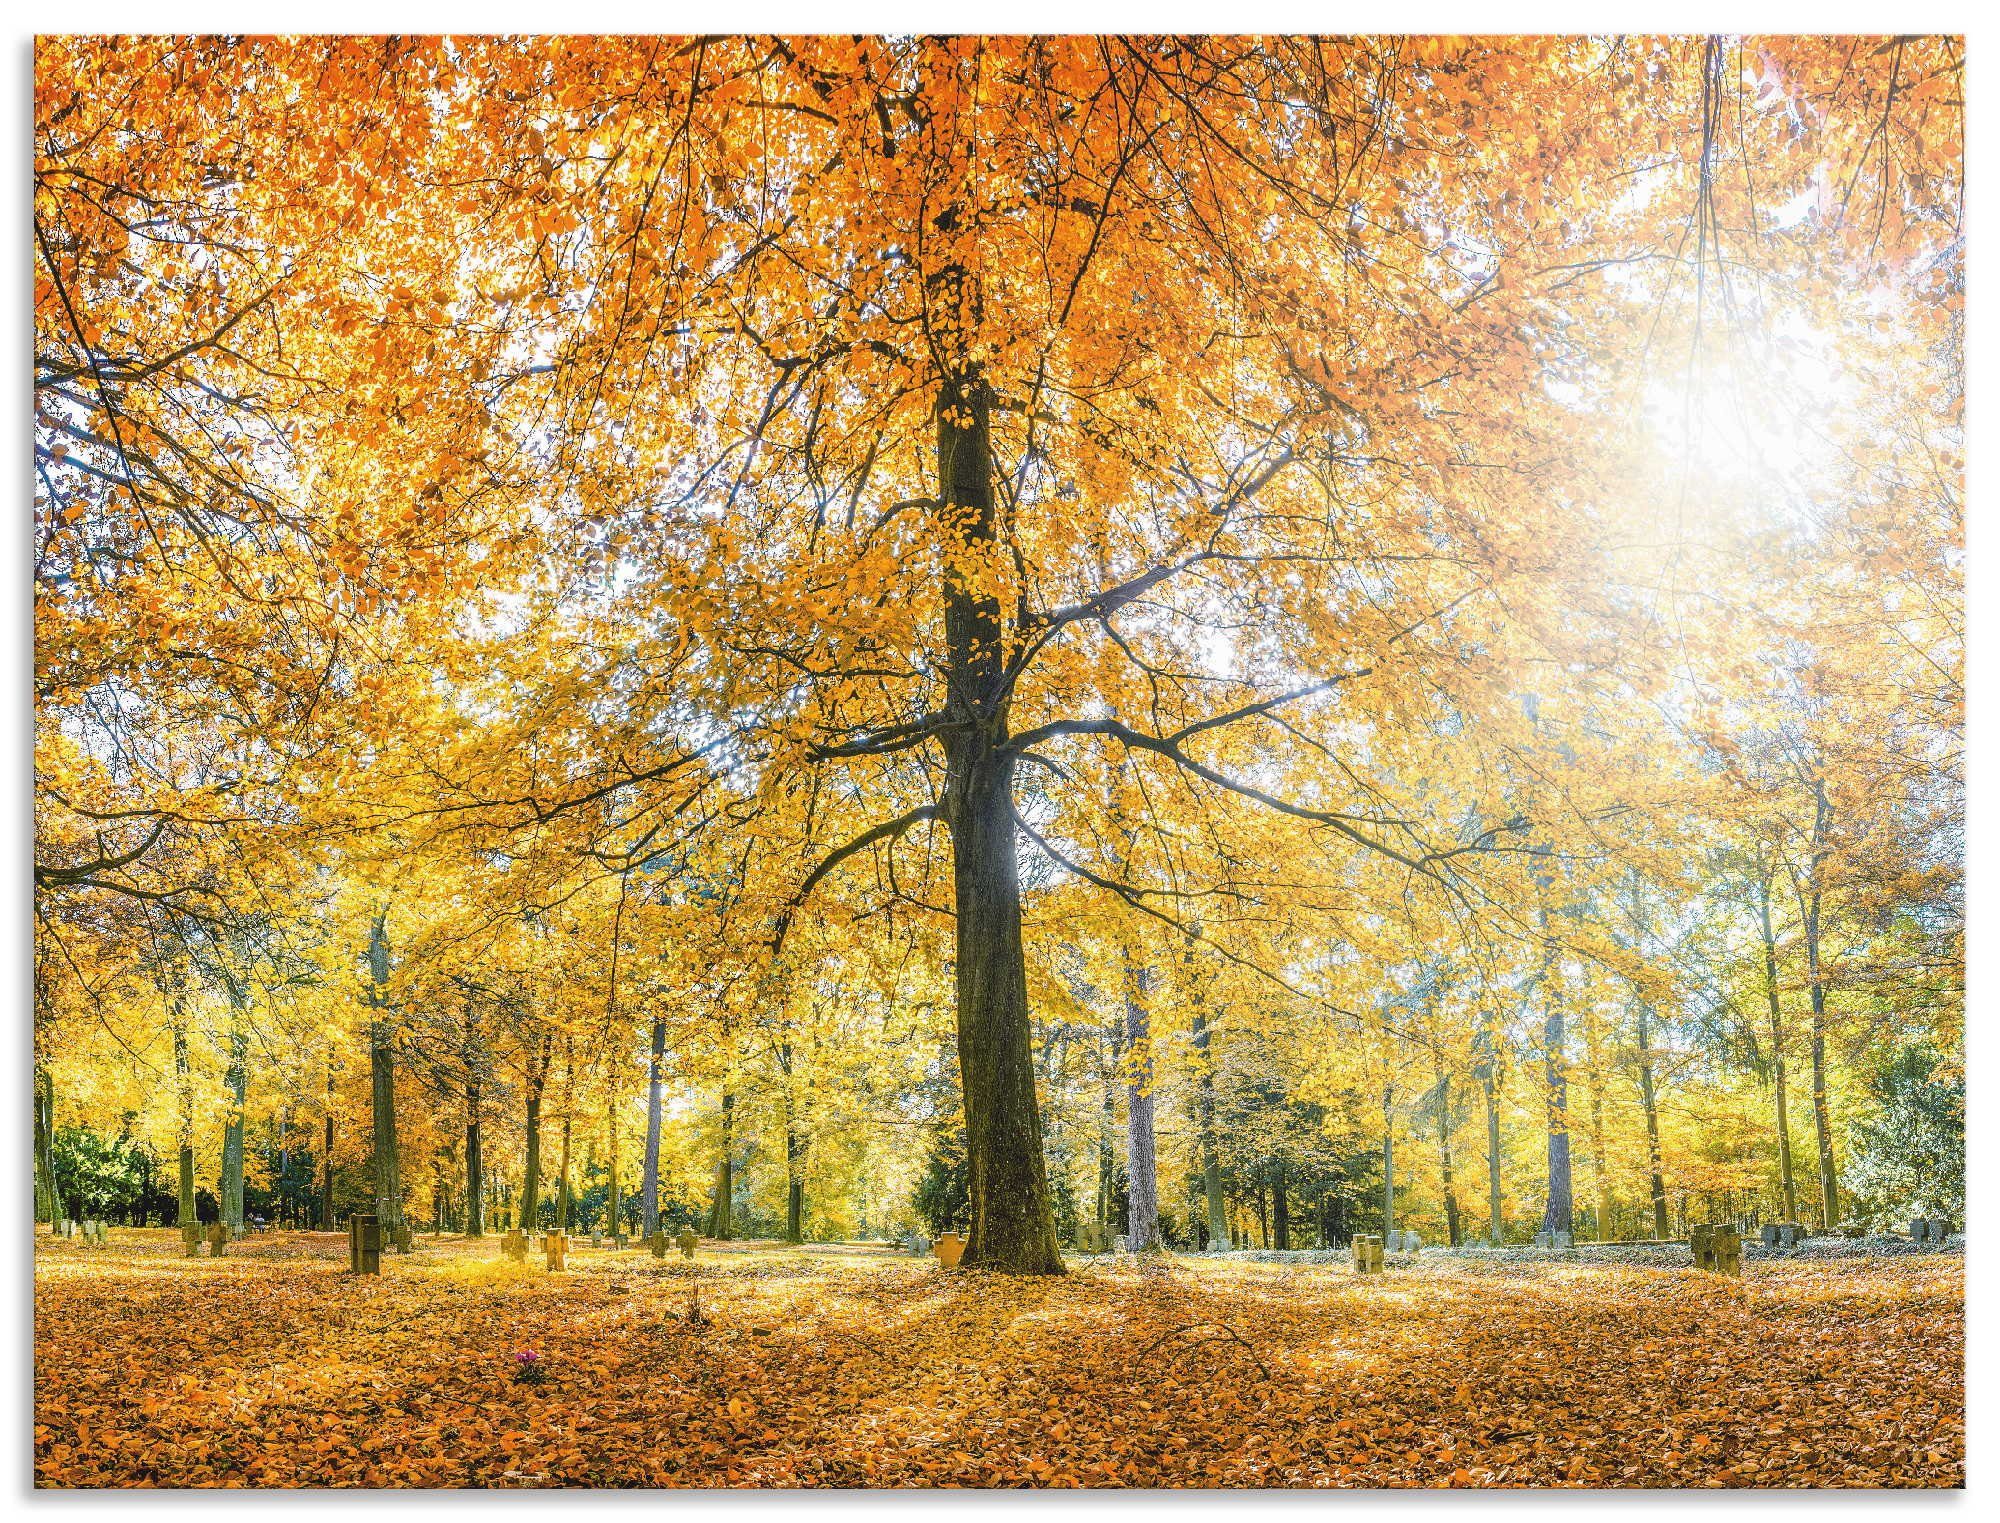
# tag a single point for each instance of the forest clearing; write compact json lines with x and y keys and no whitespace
{"x":773,"y":1365}
{"x":1294,"y":704}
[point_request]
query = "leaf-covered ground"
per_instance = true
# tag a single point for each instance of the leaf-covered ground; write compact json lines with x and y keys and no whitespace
{"x":762,"y":1366}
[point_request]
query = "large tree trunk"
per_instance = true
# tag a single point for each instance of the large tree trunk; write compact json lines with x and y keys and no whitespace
{"x":1142,"y":1185}
{"x":1786,"y":1184}
{"x":1012,"y":1227}
{"x":382,"y":1087}
{"x":1211,"y":1164}
{"x":649,"y":1179}
{"x":1656,"y":1173}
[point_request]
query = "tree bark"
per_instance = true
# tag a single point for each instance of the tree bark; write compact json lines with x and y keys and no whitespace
{"x":649,"y":1179}
{"x":1142,"y":1185}
{"x":1656,"y":1173}
{"x":238,"y":1078}
{"x":382,"y":1087}
{"x":48,"y":1196}
{"x":475,"y":1175}
{"x":1012,"y":1226}
{"x":1829,"y":1186}
{"x":326,"y":1162}
{"x":1388,"y":1159}
{"x":721,"y":1223}
{"x":1786,"y":1184}
{"x":1451,"y":1223}
{"x":1560,"y":1213}
{"x":1281,"y":1205}
{"x":184,"y":1084}
{"x":530,"y":1218}
{"x":1211,"y":1165}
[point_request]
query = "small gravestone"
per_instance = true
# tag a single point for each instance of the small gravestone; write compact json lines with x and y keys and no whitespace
{"x":514,"y":1245}
{"x":1367,"y":1250}
{"x":949,"y":1249}
{"x":1412,"y":1243}
{"x":687,"y":1241}
{"x":364,"y":1243}
{"x":1791,"y":1234}
{"x":658,"y":1243}
{"x":68,"y":1227}
{"x":919,"y":1244}
{"x":406,"y":1240}
{"x":556,"y":1246}
{"x":1940,"y":1229}
{"x":191,"y":1239}
{"x":1717,"y":1248}
{"x":218,"y":1239}
{"x":1768,"y":1234}
{"x":1545,"y":1240}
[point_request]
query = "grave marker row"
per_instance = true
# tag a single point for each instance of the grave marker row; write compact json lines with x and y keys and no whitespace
{"x":1782,"y":1234}
{"x":1933,"y":1229}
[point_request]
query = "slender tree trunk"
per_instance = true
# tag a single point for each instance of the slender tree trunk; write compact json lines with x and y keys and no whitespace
{"x":530,"y":1219}
{"x":184,"y":1085}
{"x":1142,"y":1183}
{"x":1560,"y":1215}
{"x":562,"y":1176}
{"x":795,"y":1184}
{"x":475,"y":1178}
{"x":1281,"y":1204}
{"x":1600,"y":1164}
{"x":1012,"y":1227}
{"x":326,"y":1160}
{"x":1451,"y":1223}
{"x":611,"y":1164}
{"x":1829,"y":1186}
{"x":1786,"y":1183}
{"x":1388,"y":1159}
{"x":1211,"y":1165}
{"x":1495,"y":1196}
{"x":382,"y":1083}
{"x":649,"y":1179}
{"x":48,"y":1196}
{"x":238,"y":1078}
{"x":721,"y":1212}
{"x":1655,"y":1172}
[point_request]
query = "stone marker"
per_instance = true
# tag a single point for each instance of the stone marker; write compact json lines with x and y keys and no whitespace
{"x":1412,"y":1243}
{"x":1717,"y":1247}
{"x":687,"y":1240}
{"x":191,"y":1239}
{"x":406,"y":1240}
{"x":949,"y":1249}
{"x":658,"y":1243}
{"x":218,"y":1239}
{"x":556,"y":1245}
{"x":1367,"y":1249}
{"x":1768,"y":1234}
{"x":364,"y":1243}
{"x":514,"y":1245}
{"x":1940,"y":1229}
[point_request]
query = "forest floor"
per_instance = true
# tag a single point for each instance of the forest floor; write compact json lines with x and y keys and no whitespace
{"x":761,"y":1365}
